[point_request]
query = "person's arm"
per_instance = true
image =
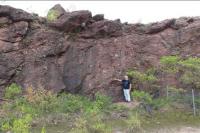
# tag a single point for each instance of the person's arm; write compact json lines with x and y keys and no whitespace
{"x":130,"y":86}
{"x":117,"y":80}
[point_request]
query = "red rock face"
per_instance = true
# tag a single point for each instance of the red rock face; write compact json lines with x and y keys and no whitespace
{"x":83,"y":54}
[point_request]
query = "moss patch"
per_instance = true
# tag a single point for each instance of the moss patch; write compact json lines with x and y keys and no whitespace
{"x":52,"y":15}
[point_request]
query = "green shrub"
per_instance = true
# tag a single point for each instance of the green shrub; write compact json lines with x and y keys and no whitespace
{"x":21,"y":106}
{"x":159,"y":103}
{"x":52,"y":15}
{"x":101,"y":101}
{"x":20,"y":125}
{"x":41,"y":105}
{"x":5,"y":126}
{"x":12,"y":91}
{"x":190,"y":69}
{"x":69,"y":103}
{"x":191,"y":63}
{"x":169,"y":60}
{"x":142,"y":96}
{"x":142,"y":77}
{"x":169,"y":63}
{"x":144,"y":80}
{"x":42,"y":100}
{"x":146,"y":98}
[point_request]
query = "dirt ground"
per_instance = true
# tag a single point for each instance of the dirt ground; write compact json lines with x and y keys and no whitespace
{"x":182,"y":129}
{"x":178,"y":130}
{"x":172,"y":130}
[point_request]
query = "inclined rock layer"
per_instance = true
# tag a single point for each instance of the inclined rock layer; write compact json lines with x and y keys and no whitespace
{"x":82,"y":53}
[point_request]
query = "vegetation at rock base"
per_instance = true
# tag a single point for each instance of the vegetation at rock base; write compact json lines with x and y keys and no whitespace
{"x":146,"y":80}
{"x":169,"y":63}
{"x":12,"y":91}
{"x":186,"y":70}
{"x":40,"y":111}
{"x":42,"y":107}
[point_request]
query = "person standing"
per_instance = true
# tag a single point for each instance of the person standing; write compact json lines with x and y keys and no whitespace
{"x":126,"y":86}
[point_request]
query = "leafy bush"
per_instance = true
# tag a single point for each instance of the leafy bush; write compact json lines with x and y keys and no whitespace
{"x":5,"y":126}
{"x":12,"y":91}
{"x":20,"y":125}
{"x":191,"y":63}
{"x":190,"y":71}
{"x":69,"y":103}
{"x":43,"y":100}
{"x":142,"y":77}
{"x":52,"y":15}
{"x":37,"y":103}
{"x":101,"y":101}
{"x":147,"y":99}
{"x":159,"y":103}
{"x":142,"y":96}
{"x":169,"y":63}
{"x":144,"y":80}
{"x":187,"y":68}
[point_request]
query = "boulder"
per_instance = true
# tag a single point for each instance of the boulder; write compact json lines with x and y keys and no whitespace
{"x":58,"y":9}
{"x":182,"y":22}
{"x":15,"y":14}
{"x":98,"y":17}
{"x":158,"y":27}
{"x":72,"y":22}
{"x":14,"y":32}
{"x":4,"y":21}
{"x":104,"y":28}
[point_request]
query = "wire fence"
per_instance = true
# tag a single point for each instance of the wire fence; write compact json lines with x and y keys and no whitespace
{"x":189,"y":100}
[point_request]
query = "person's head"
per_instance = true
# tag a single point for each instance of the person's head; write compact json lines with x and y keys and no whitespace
{"x":126,"y":77}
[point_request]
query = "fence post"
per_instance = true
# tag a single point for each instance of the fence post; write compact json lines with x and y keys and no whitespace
{"x":193,"y":103}
{"x":167,"y":92}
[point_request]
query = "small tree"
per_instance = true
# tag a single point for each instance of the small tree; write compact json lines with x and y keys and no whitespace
{"x":168,"y":67}
{"x":169,"y":64}
{"x":145,"y":80}
{"x":190,"y":72}
{"x":188,"y":69}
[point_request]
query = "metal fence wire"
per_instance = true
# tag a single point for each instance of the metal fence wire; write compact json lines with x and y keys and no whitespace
{"x":189,"y":100}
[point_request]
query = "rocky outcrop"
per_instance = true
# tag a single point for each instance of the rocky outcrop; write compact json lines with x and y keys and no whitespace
{"x":104,"y":28}
{"x":69,"y":22}
{"x":82,"y":53}
{"x":98,"y":17}
{"x":59,"y":10}
{"x":15,"y":14}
